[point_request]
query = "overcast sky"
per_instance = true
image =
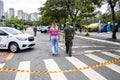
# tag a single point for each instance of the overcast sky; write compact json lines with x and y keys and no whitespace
{"x":28,"y":6}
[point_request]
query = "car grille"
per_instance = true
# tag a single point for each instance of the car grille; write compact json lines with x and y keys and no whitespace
{"x":31,"y":39}
{"x":31,"y":45}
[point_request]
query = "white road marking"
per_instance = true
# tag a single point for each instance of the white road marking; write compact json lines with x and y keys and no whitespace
{"x":91,"y":46}
{"x":91,"y":51}
{"x":90,"y":73}
{"x":62,"y":48}
{"x":105,"y":41}
{"x":25,"y":65}
{"x":2,"y":65}
{"x":75,"y":46}
{"x":117,"y":50}
{"x":61,"y":44}
{"x":52,"y":66}
{"x":114,"y":67}
{"x":79,"y":53}
{"x":110,"y":54}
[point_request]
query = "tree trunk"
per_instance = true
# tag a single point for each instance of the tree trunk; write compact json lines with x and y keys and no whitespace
{"x":58,"y":21}
{"x":74,"y":22}
{"x":114,"y":32}
{"x":114,"y":28}
{"x":113,"y":19}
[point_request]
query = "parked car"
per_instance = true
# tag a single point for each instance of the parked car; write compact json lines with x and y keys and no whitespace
{"x":38,"y":28}
{"x":103,"y":27}
{"x":44,"y":29}
{"x":15,"y":40}
{"x":93,"y":27}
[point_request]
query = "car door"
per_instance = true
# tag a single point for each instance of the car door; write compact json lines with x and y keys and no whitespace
{"x":4,"y":39}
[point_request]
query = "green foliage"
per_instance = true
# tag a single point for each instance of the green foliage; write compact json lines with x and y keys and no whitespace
{"x":106,"y":18}
{"x":52,"y":11}
{"x":14,"y":22}
{"x":28,"y":22}
{"x":44,"y":20}
{"x":17,"y":23}
{"x":87,"y":34}
{"x":118,"y":15}
{"x":0,"y":20}
{"x":73,"y":10}
{"x":60,"y":10}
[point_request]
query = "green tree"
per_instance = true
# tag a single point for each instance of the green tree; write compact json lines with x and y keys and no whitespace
{"x":44,"y":20}
{"x":53,"y":11}
{"x":28,"y":22}
{"x":59,"y":9}
{"x":17,"y":23}
{"x":112,"y":4}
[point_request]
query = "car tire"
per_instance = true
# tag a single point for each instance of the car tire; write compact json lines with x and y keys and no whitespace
{"x":13,"y":47}
{"x":41,"y":31}
{"x":45,"y":31}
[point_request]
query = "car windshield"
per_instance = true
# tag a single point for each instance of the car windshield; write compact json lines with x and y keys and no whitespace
{"x":12,"y":31}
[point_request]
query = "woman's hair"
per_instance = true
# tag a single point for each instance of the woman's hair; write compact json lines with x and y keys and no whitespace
{"x":54,"y":26}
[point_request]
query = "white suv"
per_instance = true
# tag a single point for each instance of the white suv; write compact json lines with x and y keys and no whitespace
{"x":44,"y":29}
{"x":15,"y":40}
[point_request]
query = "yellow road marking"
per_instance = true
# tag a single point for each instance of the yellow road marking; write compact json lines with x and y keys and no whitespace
{"x":115,"y":60}
{"x":10,"y":56}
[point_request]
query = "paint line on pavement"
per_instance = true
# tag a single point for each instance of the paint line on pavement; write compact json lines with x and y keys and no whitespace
{"x":75,"y":46}
{"x":91,"y":46}
{"x":115,"y":60}
{"x":90,"y":73}
{"x":52,"y":66}
{"x":110,"y":54}
{"x":1,"y":65}
{"x":114,"y":67}
{"x":105,"y":41}
{"x":10,"y":56}
{"x":117,"y":50}
{"x":91,"y":51}
{"x":25,"y":65}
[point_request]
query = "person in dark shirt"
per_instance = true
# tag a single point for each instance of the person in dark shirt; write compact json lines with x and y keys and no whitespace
{"x":68,"y":36}
{"x":35,"y":30}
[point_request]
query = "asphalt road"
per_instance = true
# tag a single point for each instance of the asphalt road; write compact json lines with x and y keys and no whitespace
{"x":86,"y":52}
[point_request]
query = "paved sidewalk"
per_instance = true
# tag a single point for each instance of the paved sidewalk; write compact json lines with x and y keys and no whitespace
{"x":104,"y":35}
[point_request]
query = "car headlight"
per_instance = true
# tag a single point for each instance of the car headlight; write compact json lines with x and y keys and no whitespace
{"x":21,"y":38}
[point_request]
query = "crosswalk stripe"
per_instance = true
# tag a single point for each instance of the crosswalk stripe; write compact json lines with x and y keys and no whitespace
{"x":91,"y":46}
{"x":114,"y":67}
{"x":90,"y":73}
{"x":1,"y":65}
{"x":82,"y":46}
{"x":110,"y":54}
{"x":62,"y":48}
{"x":75,"y":46}
{"x":91,"y":51}
{"x":61,"y":44}
{"x":52,"y":66}
{"x":117,"y":50}
{"x":25,"y":65}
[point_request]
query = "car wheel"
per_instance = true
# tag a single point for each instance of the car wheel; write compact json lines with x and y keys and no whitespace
{"x":45,"y":31}
{"x":13,"y":47}
{"x":41,"y":31}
